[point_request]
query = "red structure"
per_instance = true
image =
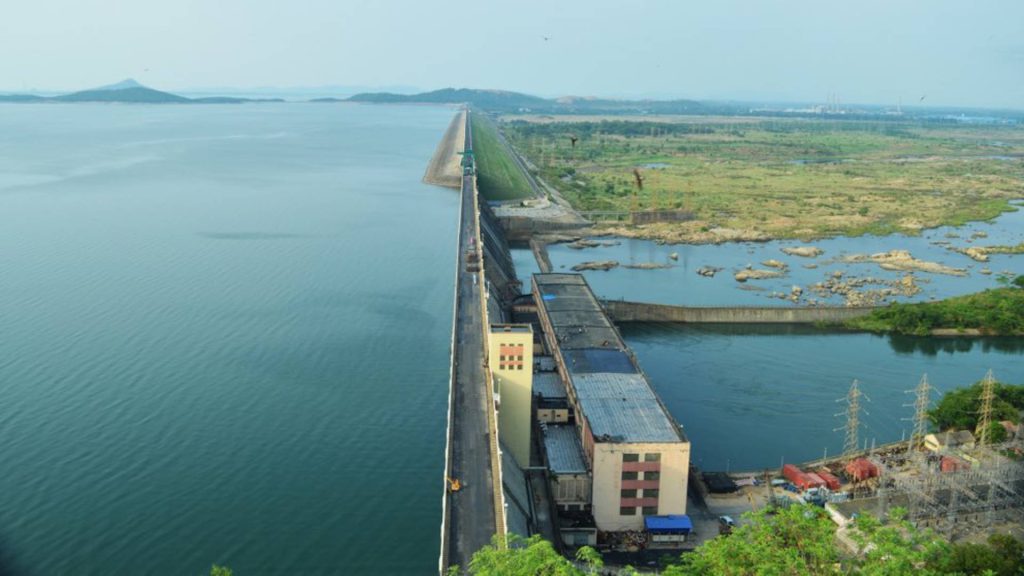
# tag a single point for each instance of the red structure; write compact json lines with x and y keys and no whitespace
{"x":861,"y":469}
{"x":953,"y":464}
{"x":830,"y":480}
{"x":801,"y":479}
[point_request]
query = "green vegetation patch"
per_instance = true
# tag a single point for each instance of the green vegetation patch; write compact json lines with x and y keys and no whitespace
{"x":498,"y":175}
{"x":798,"y":540}
{"x":781,"y":177}
{"x":996,"y":311}
{"x":960,"y":409}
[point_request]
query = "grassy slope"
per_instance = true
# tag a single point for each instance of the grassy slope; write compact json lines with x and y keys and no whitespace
{"x":999,"y":311}
{"x":498,"y":175}
{"x":789,"y":179}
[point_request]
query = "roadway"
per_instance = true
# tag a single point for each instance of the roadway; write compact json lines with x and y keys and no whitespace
{"x":471,"y":510}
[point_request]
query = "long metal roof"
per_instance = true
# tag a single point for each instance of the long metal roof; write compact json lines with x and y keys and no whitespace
{"x":565,"y":453}
{"x":613,"y":394}
{"x":623,"y":408}
{"x":548,"y":385}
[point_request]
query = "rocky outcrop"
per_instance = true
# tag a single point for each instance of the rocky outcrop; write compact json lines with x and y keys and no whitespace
{"x":596,"y":265}
{"x":756,"y":274}
{"x":804,"y":251}
{"x":902,"y":260}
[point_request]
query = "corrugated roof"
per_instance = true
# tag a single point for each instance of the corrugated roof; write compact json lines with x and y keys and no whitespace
{"x":623,"y":408}
{"x":614,"y":396}
{"x":591,"y":360}
{"x":548,"y":385}
{"x":565,"y":453}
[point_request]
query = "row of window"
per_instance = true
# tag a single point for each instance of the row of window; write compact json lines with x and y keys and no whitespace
{"x":631,"y":511}
{"x":652,"y":457}
{"x":647,"y":493}
{"x":649,"y":475}
{"x":510,"y":366}
{"x":503,"y":358}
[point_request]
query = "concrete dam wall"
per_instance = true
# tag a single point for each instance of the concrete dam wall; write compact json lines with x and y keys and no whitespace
{"x":620,"y":311}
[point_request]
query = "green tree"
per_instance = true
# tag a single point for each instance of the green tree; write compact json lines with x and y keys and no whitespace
{"x":529,"y":557}
{"x":1019,"y":281}
{"x":220,"y":571}
{"x":896,"y":547}
{"x":959,"y":408}
{"x":797,"y":540}
{"x":1003,"y":556}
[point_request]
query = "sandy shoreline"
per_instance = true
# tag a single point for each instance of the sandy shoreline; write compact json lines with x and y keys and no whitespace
{"x":445,"y":167}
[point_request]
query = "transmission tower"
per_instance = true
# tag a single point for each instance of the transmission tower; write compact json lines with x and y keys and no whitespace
{"x":852,"y":399}
{"x":921,"y":401}
{"x":988,"y":393}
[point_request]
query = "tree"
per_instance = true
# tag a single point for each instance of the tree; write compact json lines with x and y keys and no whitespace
{"x":529,"y":557}
{"x":959,"y":408}
{"x":1003,"y":556}
{"x":896,"y":547}
{"x":1019,"y":281}
{"x":220,"y":571}
{"x":797,"y":540}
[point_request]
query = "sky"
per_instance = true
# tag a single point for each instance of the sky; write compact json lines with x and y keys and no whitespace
{"x":949,"y":52}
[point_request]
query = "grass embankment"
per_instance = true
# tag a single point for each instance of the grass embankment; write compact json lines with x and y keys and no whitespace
{"x":781,"y":178}
{"x":996,"y":311}
{"x":498,"y":175}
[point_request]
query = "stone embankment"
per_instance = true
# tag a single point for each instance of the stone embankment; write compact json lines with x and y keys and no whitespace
{"x":445,"y":168}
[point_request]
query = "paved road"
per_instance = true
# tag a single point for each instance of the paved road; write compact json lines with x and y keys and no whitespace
{"x":472,"y":520}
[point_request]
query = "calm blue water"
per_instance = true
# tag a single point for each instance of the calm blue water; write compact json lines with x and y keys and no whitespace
{"x":750,"y":396}
{"x":223,"y":339}
{"x":681,"y":284}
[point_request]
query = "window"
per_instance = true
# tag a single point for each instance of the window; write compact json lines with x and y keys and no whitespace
{"x":650,"y":511}
{"x":651,"y":492}
{"x":652,"y":475}
{"x":629,"y":476}
{"x":502,"y":358}
{"x":520,"y":358}
{"x":630,"y":457}
{"x":629,"y":493}
{"x":652,"y":457}
{"x":627,"y":511}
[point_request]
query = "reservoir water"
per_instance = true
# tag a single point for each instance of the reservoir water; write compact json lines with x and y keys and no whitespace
{"x":223,"y":339}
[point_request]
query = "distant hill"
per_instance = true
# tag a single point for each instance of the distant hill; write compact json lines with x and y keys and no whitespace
{"x":487,"y":99}
{"x":127,"y":91}
{"x":504,"y":101}
{"x":140,"y":94}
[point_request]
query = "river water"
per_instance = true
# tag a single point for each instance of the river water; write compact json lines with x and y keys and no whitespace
{"x":223,"y":339}
{"x":753,"y":396}
{"x":680,"y":283}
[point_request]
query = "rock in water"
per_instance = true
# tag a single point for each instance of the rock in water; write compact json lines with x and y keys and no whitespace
{"x":597,"y":265}
{"x":804,"y":251}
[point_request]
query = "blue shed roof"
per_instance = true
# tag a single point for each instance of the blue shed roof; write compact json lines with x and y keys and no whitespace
{"x":671,"y":524}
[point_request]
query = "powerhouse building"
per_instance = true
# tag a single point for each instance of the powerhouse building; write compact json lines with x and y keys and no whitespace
{"x":626,"y":458}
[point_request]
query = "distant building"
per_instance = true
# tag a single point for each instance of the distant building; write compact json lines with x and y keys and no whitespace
{"x":953,"y":439}
{"x":510,"y":357}
{"x":636,"y":455}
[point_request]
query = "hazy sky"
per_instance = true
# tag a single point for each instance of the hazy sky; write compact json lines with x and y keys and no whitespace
{"x":956,"y":52}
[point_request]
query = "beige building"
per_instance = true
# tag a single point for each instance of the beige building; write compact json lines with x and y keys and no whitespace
{"x":636,"y":454}
{"x":510,"y":357}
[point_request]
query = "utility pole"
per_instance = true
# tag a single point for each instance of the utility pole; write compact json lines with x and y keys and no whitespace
{"x":852,"y":399}
{"x":922,"y":400}
{"x":988,"y":393}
